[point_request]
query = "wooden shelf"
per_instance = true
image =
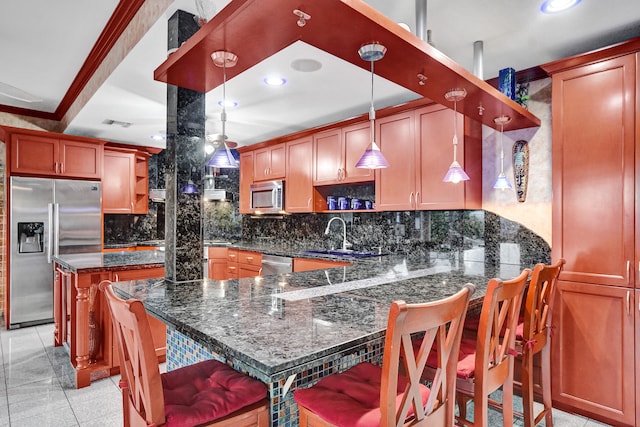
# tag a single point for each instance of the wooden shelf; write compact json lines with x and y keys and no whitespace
{"x":234,"y":29}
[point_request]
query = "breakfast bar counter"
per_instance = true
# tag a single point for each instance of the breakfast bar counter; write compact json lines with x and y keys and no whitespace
{"x":289,"y":330}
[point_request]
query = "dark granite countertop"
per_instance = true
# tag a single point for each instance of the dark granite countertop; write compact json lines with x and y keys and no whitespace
{"x":278,"y":323}
{"x":110,"y":261}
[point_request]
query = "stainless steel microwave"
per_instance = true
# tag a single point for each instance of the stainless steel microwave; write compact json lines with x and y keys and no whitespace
{"x":267,"y":197}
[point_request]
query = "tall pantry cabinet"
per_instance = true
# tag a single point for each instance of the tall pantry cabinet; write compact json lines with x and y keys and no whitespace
{"x":596,"y":224}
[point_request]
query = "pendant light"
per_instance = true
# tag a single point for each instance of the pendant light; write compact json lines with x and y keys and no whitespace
{"x":455,"y":174}
{"x":372,"y":157}
{"x":222,"y":157}
{"x":502,"y":183}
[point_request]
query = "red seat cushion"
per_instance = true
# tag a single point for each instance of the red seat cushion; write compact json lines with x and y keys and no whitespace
{"x":471,"y":324}
{"x":206,"y":391}
{"x":351,"y":398}
{"x":466,"y":358}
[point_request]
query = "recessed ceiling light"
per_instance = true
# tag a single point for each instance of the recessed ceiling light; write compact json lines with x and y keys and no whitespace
{"x":275,"y":80}
{"x":157,"y":137}
{"x":228,"y":103}
{"x":554,"y":6}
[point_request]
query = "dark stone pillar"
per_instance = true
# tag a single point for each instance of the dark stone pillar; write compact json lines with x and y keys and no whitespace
{"x":184,"y":161}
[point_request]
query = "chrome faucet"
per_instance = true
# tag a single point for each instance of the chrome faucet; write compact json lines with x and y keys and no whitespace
{"x":344,"y":232}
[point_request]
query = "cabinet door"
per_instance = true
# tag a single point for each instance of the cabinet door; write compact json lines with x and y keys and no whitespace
{"x":81,"y":159}
{"x":395,"y":186}
{"x":118,"y":182}
{"x":593,"y":350}
{"x":269,"y":163}
{"x":593,"y":172}
{"x":34,"y":155}
{"x":299,"y":186}
{"x":356,"y":139}
{"x":327,"y":153}
{"x":246,"y":179}
{"x":435,"y":147}
{"x":308,"y":264}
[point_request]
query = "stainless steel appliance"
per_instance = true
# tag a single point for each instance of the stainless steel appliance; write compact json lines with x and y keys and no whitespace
{"x":267,"y":197}
{"x":274,"y":264}
{"x":48,"y":217}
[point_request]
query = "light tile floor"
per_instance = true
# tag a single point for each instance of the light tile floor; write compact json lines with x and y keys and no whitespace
{"x":37,"y":388}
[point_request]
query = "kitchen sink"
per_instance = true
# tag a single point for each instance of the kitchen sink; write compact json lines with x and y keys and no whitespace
{"x":343,"y":253}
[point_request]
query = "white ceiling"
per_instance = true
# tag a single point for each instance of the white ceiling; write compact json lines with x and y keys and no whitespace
{"x":42,"y":52}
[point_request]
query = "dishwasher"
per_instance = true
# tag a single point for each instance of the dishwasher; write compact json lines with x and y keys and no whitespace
{"x":274,"y":264}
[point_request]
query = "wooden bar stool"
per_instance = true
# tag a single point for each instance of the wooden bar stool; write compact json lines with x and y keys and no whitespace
{"x":535,"y":338}
{"x":206,"y":393}
{"x":369,"y":396}
{"x":486,"y":361}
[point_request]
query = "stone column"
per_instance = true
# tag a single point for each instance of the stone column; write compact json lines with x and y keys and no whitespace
{"x":184,"y":161}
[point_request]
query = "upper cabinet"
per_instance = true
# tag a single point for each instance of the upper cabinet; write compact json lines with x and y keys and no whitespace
{"x":246,"y":179}
{"x":269,"y":163}
{"x":336,"y":152}
{"x":418,"y":145}
{"x":299,"y":187}
{"x":396,"y":185}
{"x":125,"y":184}
{"x":48,"y":154}
{"x":434,"y":136}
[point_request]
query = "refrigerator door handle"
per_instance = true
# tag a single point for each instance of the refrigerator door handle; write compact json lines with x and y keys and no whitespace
{"x":50,"y":231}
{"x":56,"y":225}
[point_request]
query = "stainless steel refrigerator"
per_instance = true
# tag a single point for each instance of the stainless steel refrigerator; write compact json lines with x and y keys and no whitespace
{"x":48,"y":217}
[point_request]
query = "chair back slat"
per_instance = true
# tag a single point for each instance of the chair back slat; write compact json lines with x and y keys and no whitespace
{"x":538,"y":305}
{"x":138,"y":361}
{"x":497,"y":328}
{"x":440,"y":323}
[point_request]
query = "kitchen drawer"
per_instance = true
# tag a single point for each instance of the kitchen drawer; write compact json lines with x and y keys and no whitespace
{"x":232,"y":255}
{"x":250,"y":258}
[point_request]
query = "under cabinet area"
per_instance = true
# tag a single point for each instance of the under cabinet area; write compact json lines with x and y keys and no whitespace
{"x":55,"y":155}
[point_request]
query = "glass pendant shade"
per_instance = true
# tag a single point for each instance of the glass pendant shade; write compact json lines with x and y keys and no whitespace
{"x":502,"y":183}
{"x":190,"y":188}
{"x":455,"y":174}
{"x":222,"y":158}
{"x":372,"y":158}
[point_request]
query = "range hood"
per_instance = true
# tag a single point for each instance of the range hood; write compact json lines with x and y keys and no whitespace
{"x":210,"y":194}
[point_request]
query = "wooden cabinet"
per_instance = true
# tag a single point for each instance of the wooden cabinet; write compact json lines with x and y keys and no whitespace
{"x":595,"y":229}
{"x":419,"y":148}
{"x":246,"y":179}
{"x":75,"y":317}
{"x":299,"y":186}
{"x":217,"y":263}
{"x":336,"y":152}
{"x":49,"y":154}
{"x":434,"y":152}
{"x":125,"y":181}
{"x":269,"y":163}
{"x":308,"y":264}
{"x":593,"y":351}
{"x":241,"y":263}
{"x":396,"y":186}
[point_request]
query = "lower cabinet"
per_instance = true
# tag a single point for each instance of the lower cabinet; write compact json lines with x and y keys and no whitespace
{"x":308,"y":264}
{"x":82,"y":321}
{"x":593,"y":355}
{"x":217,"y":263}
{"x":242,"y":263}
